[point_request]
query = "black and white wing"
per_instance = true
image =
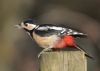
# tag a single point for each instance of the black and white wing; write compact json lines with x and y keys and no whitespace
{"x":48,"y":29}
{"x":75,"y":33}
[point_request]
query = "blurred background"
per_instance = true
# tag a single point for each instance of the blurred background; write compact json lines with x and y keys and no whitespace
{"x":19,"y":53}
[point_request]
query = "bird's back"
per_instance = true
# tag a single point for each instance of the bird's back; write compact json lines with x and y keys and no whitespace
{"x":49,"y":29}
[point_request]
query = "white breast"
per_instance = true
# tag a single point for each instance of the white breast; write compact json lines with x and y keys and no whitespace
{"x":45,"y":42}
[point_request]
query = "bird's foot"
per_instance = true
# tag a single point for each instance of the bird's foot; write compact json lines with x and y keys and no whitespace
{"x":44,"y":50}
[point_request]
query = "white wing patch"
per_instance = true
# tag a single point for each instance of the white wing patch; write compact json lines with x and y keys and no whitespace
{"x":43,"y":28}
{"x":72,"y":32}
{"x":53,"y":27}
{"x":56,"y":28}
{"x":63,"y":31}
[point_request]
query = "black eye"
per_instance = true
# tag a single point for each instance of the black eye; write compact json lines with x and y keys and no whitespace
{"x":26,"y":24}
{"x":29,"y":21}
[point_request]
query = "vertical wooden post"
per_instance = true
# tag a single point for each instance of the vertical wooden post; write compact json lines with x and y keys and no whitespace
{"x":63,"y":61}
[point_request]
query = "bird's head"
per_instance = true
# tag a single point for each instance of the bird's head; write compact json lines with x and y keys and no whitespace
{"x":28,"y":24}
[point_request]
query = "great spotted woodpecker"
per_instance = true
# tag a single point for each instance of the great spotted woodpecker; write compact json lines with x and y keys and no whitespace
{"x":49,"y":36}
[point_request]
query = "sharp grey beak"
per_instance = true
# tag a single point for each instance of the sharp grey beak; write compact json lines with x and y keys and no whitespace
{"x":17,"y":26}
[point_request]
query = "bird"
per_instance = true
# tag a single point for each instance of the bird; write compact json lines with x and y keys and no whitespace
{"x":50,"y":36}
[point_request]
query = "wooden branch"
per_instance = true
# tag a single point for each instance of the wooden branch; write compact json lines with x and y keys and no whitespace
{"x":63,"y":61}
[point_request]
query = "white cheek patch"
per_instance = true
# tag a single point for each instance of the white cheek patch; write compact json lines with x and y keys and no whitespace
{"x":30,"y":26}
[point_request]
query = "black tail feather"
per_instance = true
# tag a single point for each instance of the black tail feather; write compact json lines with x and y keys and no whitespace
{"x":86,"y":54}
{"x":79,"y":35}
{"x":89,"y":56}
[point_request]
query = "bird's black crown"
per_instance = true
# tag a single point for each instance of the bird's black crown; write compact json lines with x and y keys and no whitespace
{"x":29,"y":21}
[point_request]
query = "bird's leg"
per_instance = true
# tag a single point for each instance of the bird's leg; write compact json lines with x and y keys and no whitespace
{"x":44,"y":50}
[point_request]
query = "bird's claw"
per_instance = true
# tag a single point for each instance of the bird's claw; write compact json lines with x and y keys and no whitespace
{"x":44,"y":50}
